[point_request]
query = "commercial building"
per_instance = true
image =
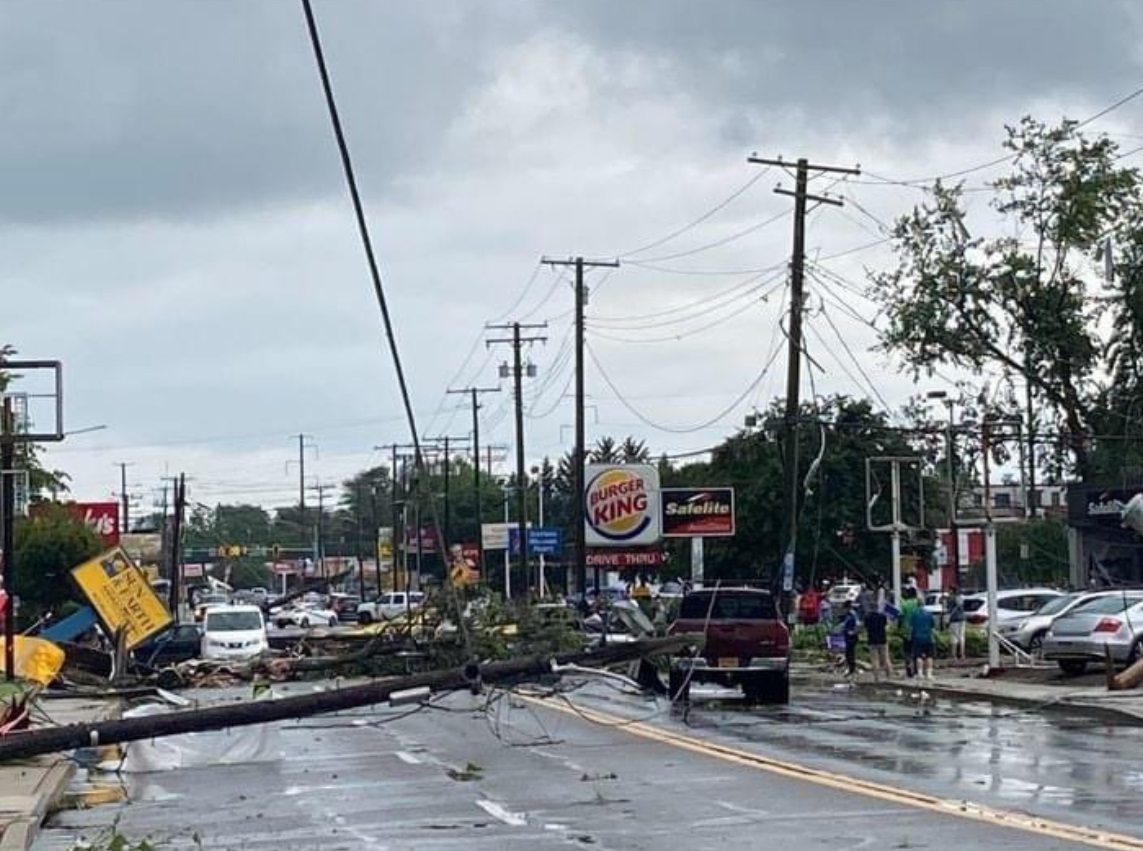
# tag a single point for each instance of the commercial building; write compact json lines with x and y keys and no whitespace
{"x":1102,"y":552}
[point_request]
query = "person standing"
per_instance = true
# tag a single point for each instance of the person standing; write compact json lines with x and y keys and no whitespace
{"x":954,"y":606}
{"x":876,"y":634}
{"x":849,"y":626}
{"x":641,"y":594}
{"x":909,"y":606}
{"x":825,"y":611}
{"x":921,"y":636}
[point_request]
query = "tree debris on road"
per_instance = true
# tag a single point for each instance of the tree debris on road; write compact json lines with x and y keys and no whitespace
{"x":471,"y":676}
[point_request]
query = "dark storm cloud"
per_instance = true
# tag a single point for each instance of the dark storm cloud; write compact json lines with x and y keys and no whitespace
{"x":912,"y":59}
{"x":176,"y":109}
{"x":144,"y":109}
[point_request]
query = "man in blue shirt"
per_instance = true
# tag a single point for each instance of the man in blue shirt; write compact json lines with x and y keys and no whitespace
{"x":921,"y":633}
{"x":849,"y":629}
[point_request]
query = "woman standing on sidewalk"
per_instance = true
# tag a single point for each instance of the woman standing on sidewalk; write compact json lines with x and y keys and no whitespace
{"x":954,"y":605}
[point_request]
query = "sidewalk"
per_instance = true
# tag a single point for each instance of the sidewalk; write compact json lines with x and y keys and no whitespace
{"x":29,"y":788}
{"x":1121,"y":707}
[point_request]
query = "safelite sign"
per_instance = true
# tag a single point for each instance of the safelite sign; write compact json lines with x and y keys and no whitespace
{"x":698,"y":512}
{"x":621,"y":505}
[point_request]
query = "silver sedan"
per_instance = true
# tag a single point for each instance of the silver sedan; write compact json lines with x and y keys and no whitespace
{"x":1114,"y":621}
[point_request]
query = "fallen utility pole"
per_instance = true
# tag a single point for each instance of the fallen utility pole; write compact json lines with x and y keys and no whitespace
{"x":92,"y":734}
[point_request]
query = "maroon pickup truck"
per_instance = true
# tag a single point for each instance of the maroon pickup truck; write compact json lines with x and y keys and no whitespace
{"x":746,"y":644}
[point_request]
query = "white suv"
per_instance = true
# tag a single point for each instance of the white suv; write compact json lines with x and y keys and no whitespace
{"x":392,"y":604}
{"x":233,"y":632}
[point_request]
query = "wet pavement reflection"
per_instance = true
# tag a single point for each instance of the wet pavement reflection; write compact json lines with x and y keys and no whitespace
{"x":1051,"y":763}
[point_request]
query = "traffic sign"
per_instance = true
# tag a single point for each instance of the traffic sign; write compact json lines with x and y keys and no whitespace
{"x":541,"y":541}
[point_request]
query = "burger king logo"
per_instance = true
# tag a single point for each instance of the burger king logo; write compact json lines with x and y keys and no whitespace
{"x":622,"y":504}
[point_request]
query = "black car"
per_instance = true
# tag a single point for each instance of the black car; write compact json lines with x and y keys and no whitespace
{"x":173,"y":645}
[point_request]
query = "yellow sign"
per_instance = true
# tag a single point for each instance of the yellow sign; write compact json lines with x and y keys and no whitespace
{"x":122,"y":596}
{"x":36,"y":659}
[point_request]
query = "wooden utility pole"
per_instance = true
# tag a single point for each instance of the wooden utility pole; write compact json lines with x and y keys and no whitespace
{"x":517,"y":342}
{"x":124,"y":498}
{"x":794,"y":358}
{"x":175,"y":553}
{"x":474,"y":393}
{"x":416,"y":688}
{"x":579,"y":549}
{"x":8,"y":509}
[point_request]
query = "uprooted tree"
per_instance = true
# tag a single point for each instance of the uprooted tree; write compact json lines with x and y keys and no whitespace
{"x":1036,"y":304}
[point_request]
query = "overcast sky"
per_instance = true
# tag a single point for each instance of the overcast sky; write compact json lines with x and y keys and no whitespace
{"x":175,"y":228}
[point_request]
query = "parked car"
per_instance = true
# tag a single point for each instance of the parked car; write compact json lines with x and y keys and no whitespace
{"x":1028,"y":633}
{"x":178,"y":643}
{"x":253,"y":596}
{"x":1012,"y":604}
{"x":390,"y":605}
{"x":842,"y":593}
{"x":934,"y":604}
{"x":233,"y":632}
{"x":345,"y":605}
{"x":1112,"y":620}
{"x":306,"y":616}
{"x":206,"y":601}
{"x":746,"y":644}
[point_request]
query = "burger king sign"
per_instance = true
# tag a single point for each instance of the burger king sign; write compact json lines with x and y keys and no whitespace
{"x":621,"y":505}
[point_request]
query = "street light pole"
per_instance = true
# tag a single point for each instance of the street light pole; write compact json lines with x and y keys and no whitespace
{"x":954,"y":534}
{"x":538,"y":472}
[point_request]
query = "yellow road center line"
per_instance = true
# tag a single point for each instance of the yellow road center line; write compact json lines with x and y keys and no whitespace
{"x":946,"y":806}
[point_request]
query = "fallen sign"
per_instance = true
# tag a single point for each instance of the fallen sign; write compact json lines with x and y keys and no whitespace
{"x":122,"y":596}
{"x":52,"y":739}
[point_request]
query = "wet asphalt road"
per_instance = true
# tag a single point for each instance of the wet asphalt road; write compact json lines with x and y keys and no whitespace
{"x":513,"y":775}
{"x":1056,"y":764}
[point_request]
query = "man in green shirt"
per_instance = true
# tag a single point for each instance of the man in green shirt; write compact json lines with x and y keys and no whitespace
{"x":909,"y":604}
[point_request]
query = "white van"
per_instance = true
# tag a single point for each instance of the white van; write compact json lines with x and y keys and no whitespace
{"x":233,"y":632}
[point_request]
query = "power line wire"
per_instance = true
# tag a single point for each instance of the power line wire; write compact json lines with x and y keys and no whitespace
{"x":712,"y":211}
{"x":672,"y":429}
{"x":845,"y":345}
{"x":683,"y":308}
{"x":712,"y":273}
{"x":736,"y":312}
{"x":757,"y":226}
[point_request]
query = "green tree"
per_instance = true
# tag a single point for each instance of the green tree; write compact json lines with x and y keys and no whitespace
{"x":47,"y":546}
{"x":1034,"y":553}
{"x":1024,"y":304}
{"x":832,"y":502}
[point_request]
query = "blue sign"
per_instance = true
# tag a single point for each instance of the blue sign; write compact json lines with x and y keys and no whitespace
{"x":541,"y":541}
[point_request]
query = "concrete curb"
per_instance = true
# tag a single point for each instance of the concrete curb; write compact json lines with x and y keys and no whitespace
{"x":28,"y":810}
{"x":1102,"y":709}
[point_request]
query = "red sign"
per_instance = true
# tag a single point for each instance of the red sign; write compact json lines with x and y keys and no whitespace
{"x":625,"y":558}
{"x":698,"y":512}
{"x":100,"y":517}
{"x":428,"y":542}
